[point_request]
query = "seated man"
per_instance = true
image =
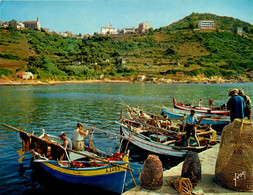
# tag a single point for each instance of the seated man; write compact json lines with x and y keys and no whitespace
{"x":191,"y":122}
{"x":66,"y":141}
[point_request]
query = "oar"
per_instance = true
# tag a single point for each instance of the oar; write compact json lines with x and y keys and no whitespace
{"x":89,"y":156}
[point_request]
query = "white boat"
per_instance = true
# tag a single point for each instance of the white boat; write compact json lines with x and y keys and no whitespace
{"x":139,"y":139}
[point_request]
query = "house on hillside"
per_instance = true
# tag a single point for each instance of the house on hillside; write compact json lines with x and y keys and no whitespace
{"x":206,"y":24}
{"x":24,"y":75}
{"x":108,"y":30}
{"x":144,"y":27}
{"x":239,"y":31}
{"x":128,"y":30}
{"x":34,"y":25}
{"x":140,"y":78}
{"x":16,"y":25}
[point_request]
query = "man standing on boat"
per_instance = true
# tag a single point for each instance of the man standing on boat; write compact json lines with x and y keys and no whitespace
{"x":236,"y":105}
{"x":79,"y":134}
{"x":191,"y":123}
{"x":247,"y":109}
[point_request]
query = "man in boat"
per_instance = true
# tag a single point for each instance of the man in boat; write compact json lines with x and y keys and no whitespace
{"x":210,"y":103}
{"x":190,"y":128}
{"x":143,"y":117}
{"x":166,"y":121}
{"x":79,"y":134}
{"x":236,"y":105}
{"x":247,"y":109}
{"x":66,"y":141}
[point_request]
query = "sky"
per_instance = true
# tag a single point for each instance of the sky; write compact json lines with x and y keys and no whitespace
{"x":88,"y":16}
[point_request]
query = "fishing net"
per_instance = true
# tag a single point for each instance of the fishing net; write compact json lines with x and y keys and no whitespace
{"x":234,"y":165}
{"x":152,"y":173}
{"x":41,"y":146}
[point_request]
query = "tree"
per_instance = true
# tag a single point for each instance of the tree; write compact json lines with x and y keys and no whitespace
{"x":191,"y":25}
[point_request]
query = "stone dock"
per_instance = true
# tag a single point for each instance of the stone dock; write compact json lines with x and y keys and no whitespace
{"x":207,"y":185}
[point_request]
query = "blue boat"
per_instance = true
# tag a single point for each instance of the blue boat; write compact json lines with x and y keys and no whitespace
{"x":100,"y":177}
{"x":207,"y":120}
{"x":58,"y":168}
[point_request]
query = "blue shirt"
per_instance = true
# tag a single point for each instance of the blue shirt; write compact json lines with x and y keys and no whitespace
{"x":191,"y":120}
{"x":236,"y":104}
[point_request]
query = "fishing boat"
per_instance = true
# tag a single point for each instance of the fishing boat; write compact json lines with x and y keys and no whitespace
{"x":214,"y":120}
{"x":83,"y":170}
{"x":200,"y":109}
{"x":157,"y":140}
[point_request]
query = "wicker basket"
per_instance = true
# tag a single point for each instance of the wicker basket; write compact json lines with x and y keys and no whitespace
{"x":152,"y":173}
{"x":234,"y":165}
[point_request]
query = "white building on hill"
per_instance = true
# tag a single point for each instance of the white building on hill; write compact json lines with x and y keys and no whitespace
{"x":108,"y":30}
{"x":206,"y":24}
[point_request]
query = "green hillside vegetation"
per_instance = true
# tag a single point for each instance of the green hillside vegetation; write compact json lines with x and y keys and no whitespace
{"x":164,"y":51}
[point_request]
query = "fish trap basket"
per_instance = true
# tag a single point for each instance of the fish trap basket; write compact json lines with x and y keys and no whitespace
{"x":234,"y":165}
{"x":152,"y":173}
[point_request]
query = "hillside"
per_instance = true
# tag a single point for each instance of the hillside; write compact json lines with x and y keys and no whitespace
{"x":221,"y":22}
{"x":161,"y":53}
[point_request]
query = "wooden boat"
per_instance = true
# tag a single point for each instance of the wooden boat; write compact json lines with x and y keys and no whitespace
{"x":84,"y":170}
{"x":207,"y":120}
{"x":157,"y":140}
{"x":201,"y":109}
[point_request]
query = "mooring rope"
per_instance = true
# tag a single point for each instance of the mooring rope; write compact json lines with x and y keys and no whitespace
{"x":182,"y":185}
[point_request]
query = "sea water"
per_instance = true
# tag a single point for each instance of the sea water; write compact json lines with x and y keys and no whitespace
{"x":58,"y":108}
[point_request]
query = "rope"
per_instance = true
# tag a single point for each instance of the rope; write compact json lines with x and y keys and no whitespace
{"x":182,"y":185}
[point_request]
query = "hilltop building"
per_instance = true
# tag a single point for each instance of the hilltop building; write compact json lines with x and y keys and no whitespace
{"x":108,"y":30}
{"x":239,"y":31}
{"x":144,"y":27}
{"x":16,"y":25}
{"x":128,"y":30}
{"x":34,"y":25}
{"x":206,"y":24}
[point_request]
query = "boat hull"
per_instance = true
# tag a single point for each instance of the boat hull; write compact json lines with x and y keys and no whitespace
{"x":150,"y":145}
{"x":110,"y":178}
{"x":200,"y":110}
{"x":172,"y":113}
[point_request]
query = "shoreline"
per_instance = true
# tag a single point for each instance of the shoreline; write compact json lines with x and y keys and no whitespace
{"x":5,"y":82}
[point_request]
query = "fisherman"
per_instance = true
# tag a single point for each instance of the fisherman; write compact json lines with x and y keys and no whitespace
{"x":144,"y":117}
{"x":210,"y":103}
{"x":247,"y":109}
{"x":190,"y":128}
{"x":236,"y":105}
{"x":200,"y":103}
{"x":79,"y":134}
{"x":166,"y":121}
{"x":66,"y":141}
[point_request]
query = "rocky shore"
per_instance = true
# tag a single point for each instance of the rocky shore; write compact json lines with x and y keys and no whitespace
{"x":186,"y":79}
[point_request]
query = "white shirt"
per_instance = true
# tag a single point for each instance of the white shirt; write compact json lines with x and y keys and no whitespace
{"x":77,"y":135}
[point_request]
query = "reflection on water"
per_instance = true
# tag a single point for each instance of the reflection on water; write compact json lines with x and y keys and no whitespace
{"x":57,"y":108}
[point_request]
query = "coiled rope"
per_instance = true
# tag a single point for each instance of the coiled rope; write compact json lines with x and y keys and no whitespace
{"x":182,"y":185}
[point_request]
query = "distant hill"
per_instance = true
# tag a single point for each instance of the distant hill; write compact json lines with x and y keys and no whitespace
{"x":221,"y":22}
{"x":179,"y":47}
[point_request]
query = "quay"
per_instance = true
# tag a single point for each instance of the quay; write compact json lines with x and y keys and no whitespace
{"x":207,"y":185}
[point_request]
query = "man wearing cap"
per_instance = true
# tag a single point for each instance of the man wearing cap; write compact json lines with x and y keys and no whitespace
{"x":236,"y":105}
{"x":66,"y":141}
{"x":247,"y":109}
{"x":79,"y":134}
{"x":191,"y":123}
